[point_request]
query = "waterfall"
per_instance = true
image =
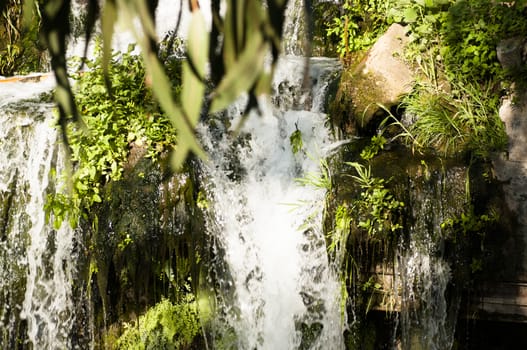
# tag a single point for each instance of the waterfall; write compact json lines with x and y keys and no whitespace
{"x":430,"y":295}
{"x":283,"y":293}
{"x":294,"y":25}
{"x":277,"y":290}
{"x":36,"y":262}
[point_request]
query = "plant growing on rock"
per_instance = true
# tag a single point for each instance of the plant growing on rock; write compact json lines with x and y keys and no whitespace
{"x":118,"y":125}
{"x":471,"y":32}
{"x":18,"y":52}
{"x":359,"y":24}
{"x":376,"y":206}
{"x":166,"y":325}
{"x":464,"y":120}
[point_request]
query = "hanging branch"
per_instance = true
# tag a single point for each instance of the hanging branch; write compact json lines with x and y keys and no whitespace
{"x":238,"y":44}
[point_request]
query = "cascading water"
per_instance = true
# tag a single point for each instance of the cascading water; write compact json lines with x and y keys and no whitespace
{"x":295,"y":40}
{"x":277,"y":290}
{"x":429,"y":301}
{"x":36,"y":262}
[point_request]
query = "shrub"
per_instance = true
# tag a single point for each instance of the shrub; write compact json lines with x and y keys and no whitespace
{"x":114,"y":122}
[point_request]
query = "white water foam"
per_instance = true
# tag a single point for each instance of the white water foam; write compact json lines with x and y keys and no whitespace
{"x":28,"y":153}
{"x":270,"y":228}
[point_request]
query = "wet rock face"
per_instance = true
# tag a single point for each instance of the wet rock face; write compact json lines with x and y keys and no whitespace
{"x":511,"y":169}
{"x":148,"y":230}
{"x":506,"y":280}
{"x":512,"y":52}
{"x":382,"y":77}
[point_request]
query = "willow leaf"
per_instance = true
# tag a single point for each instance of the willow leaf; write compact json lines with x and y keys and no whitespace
{"x":239,"y":28}
{"x":192,"y":93}
{"x":263,"y":85}
{"x":198,"y":43}
{"x":230,"y":52}
{"x":242,"y":76}
{"x":193,"y":87}
{"x":162,"y":90}
{"x":254,"y":18}
{"x":146,"y":19}
{"x":109,"y":17}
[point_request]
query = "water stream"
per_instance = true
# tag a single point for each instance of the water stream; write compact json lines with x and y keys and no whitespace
{"x":283,"y":293}
{"x":430,"y":295}
{"x":273,"y":286}
{"x":36,"y":262}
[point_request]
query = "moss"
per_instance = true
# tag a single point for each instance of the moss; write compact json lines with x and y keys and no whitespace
{"x":147,"y":242}
{"x":356,"y":99}
{"x":166,"y":325}
{"x":341,"y":108}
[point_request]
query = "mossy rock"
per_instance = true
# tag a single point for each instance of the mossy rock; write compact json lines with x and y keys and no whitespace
{"x":378,"y":80}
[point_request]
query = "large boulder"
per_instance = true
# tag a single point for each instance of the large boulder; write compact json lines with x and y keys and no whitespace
{"x":382,"y":77}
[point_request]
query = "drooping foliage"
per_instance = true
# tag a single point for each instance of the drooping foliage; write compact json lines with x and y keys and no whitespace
{"x":234,"y":49}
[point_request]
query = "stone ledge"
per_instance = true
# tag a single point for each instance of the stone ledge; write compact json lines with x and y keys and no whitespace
{"x":502,"y":301}
{"x":32,"y":78}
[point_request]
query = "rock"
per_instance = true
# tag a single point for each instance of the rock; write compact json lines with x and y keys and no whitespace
{"x":510,"y":52}
{"x":382,"y":77}
{"x":512,"y":169}
{"x":513,"y":112}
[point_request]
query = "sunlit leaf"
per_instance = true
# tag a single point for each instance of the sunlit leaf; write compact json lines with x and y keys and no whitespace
{"x":263,"y":85}
{"x":146,"y":19}
{"x":192,"y":93}
{"x":109,"y":17}
{"x":162,"y":90}
{"x":242,"y":76}
{"x":198,"y":43}
{"x":410,"y":15}
{"x":193,"y":89}
{"x":229,"y":39}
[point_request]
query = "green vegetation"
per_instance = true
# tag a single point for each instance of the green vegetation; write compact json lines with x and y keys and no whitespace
{"x":19,"y":45}
{"x":364,"y":223}
{"x":377,"y":143}
{"x":464,"y":120}
{"x":235,"y":49}
{"x":453,"y":108}
{"x":471,"y":32}
{"x":376,"y":207}
{"x":126,"y":122}
{"x":358,"y":26}
{"x":166,"y":325}
{"x":463,"y":33}
{"x":468,"y":223}
{"x":296,"y":141}
{"x":320,"y":179}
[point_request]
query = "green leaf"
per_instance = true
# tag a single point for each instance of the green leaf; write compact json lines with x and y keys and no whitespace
{"x":193,"y":89}
{"x":229,"y":42}
{"x":96,"y":198}
{"x":410,"y":15}
{"x":263,"y":85}
{"x":146,"y":19}
{"x":198,"y":43}
{"x":162,"y":89}
{"x":109,"y":17}
{"x":296,"y":141}
{"x":242,"y":76}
